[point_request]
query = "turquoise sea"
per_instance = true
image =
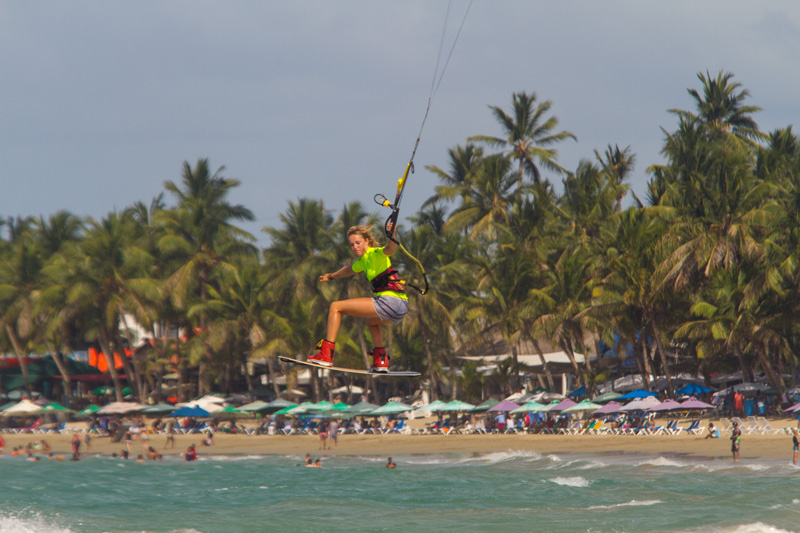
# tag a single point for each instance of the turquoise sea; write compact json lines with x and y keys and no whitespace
{"x":503,"y":491}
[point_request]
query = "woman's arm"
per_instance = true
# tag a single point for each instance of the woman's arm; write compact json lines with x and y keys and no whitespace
{"x":344,"y":272}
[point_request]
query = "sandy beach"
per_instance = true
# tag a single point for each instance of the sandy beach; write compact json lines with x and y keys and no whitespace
{"x":753,"y":447}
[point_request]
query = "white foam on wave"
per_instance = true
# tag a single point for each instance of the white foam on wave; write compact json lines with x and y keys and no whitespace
{"x":632,"y":503}
{"x":663,"y":461}
{"x":755,"y":527}
{"x":575,"y":481}
{"x":33,"y":524}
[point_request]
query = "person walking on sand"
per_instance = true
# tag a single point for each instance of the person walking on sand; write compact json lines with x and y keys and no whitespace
{"x":736,"y":437}
{"x":389,"y":305}
{"x":795,"y":445}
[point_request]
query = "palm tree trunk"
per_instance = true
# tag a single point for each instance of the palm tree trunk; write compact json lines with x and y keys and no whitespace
{"x":645,"y":362}
{"x":515,"y":360}
{"x":662,"y":352}
{"x":774,"y":378}
{"x":431,"y":367}
{"x":21,"y":358}
{"x":108,"y":352}
{"x":545,"y":366}
{"x":568,"y":350}
{"x":65,"y":379}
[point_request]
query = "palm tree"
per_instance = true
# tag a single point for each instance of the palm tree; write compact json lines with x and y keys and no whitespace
{"x":528,"y":135}
{"x":617,"y":165}
{"x":721,"y":107}
{"x":200,"y":236}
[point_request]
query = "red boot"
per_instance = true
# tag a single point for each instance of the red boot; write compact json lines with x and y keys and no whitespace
{"x":325,"y":355}
{"x":380,"y":361}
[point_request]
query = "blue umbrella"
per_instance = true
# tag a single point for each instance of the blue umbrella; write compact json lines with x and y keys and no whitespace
{"x":693,"y":388}
{"x":638,"y":393}
{"x":196,"y":412}
{"x":580,"y":391}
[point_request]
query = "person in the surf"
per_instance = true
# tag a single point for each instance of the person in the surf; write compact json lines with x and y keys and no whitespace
{"x":388,"y":305}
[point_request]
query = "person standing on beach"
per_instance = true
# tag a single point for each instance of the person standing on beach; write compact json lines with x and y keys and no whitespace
{"x":736,"y":437}
{"x":333,"y":435}
{"x":389,"y":305}
{"x":795,"y":446}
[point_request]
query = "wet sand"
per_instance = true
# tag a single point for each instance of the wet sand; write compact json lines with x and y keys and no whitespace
{"x":753,"y":446}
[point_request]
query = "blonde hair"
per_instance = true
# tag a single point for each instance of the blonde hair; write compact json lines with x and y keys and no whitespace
{"x":365,"y":232}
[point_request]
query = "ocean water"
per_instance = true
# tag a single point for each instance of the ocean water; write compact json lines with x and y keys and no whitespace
{"x":503,"y":491}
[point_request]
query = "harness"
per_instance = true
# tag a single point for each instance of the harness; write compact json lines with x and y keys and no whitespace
{"x":388,"y":280}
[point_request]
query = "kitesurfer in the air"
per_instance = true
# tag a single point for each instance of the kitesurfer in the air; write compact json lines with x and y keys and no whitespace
{"x":388,"y":305}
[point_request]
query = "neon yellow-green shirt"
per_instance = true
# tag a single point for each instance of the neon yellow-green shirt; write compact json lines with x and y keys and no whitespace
{"x":372,"y":263}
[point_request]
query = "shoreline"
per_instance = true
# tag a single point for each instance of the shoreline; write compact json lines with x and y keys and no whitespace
{"x":754,"y":446}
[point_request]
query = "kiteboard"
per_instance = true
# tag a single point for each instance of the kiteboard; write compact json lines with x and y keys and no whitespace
{"x":395,"y":373}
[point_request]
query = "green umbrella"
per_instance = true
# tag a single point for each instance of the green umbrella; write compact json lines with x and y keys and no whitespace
{"x":256,"y":406}
{"x":295,"y":410}
{"x":456,"y":405}
{"x":338,"y":411}
{"x":89,"y":411}
{"x":280,"y":403}
{"x":54,"y":408}
{"x":229,"y":410}
{"x":362,"y":408}
{"x":486,"y":405}
{"x":159,"y":408}
{"x":530,"y":407}
{"x":320,"y":406}
{"x":434,"y":406}
{"x":585,"y":405}
{"x":606,"y":397}
{"x":391,"y":408}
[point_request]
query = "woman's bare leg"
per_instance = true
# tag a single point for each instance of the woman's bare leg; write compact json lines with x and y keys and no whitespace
{"x":360,"y":307}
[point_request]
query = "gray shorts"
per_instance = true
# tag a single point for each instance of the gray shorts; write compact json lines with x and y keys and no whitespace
{"x":390,"y":308}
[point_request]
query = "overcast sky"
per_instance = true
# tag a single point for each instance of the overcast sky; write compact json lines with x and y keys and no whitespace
{"x":101,"y":102}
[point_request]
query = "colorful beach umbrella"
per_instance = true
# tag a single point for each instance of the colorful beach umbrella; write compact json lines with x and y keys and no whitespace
{"x":88,"y":411}
{"x":585,"y":405}
{"x":606,"y":397}
{"x":693,"y":388}
{"x":609,"y":408}
{"x":319,"y":406}
{"x":641,"y":404}
{"x":563,"y":404}
{"x":20,"y":408}
{"x":456,"y":405}
{"x":433,"y":406}
{"x":391,"y":408}
{"x":503,"y":407}
{"x":530,"y":407}
{"x":53,"y":407}
{"x":362,"y":408}
{"x":486,"y":404}
{"x":194,"y":412}
{"x":256,"y":407}
{"x":159,"y":408}
{"x":666,"y":405}
{"x":638,"y":393}
{"x":694,"y":403}
{"x":296,"y":409}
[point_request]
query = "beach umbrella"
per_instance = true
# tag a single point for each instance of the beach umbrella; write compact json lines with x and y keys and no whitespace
{"x":120,"y":408}
{"x":607,"y":409}
{"x":692,"y":388}
{"x":641,"y":404}
{"x":255,"y":407}
{"x":88,"y":411}
{"x":229,"y":411}
{"x":186,"y":410}
{"x":159,"y":409}
{"x":22,"y":407}
{"x":585,"y":405}
{"x":606,"y":397}
{"x":666,"y":405}
{"x":295,"y":410}
{"x":793,"y":408}
{"x":563,"y":404}
{"x":548,"y":396}
{"x":319,"y":406}
{"x":751,"y":387}
{"x":280,"y":403}
{"x":456,"y":405}
{"x":361,"y":408}
{"x":530,"y":407}
{"x":53,"y":407}
{"x":491,"y":402}
{"x":391,"y":408}
{"x":6,"y":406}
{"x":694,"y":403}
{"x":638,"y":393}
{"x":433,"y":406}
{"x":503,"y":407}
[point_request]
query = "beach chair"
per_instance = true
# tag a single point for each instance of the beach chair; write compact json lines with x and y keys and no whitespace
{"x":765,"y":426}
{"x":752,"y":425}
{"x":30,"y":429}
{"x":572,"y":429}
{"x":725,"y":425}
{"x":693,"y":428}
